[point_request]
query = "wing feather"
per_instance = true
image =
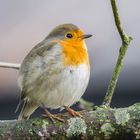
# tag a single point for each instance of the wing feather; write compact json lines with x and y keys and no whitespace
{"x":36,"y":65}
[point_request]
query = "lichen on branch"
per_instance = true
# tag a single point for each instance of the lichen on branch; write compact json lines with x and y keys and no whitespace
{"x":103,"y":123}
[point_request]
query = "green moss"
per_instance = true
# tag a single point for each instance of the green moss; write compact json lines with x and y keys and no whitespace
{"x":53,"y":132}
{"x":134,"y":111}
{"x":44,"y":124}
{"x":122,"y":116}
{"x":137,"y":131}
{"x":102,"y":112}
{"x":39,"y":122}
{"x":30,"y":131}
{"x":90,"y":131}
{"x":107,"y":129}
{"x":76,"y":126}
{"x":19,"y":128}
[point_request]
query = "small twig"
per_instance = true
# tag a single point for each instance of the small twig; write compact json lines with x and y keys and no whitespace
{"x":125,"y":43}
{"x":9,"y":65}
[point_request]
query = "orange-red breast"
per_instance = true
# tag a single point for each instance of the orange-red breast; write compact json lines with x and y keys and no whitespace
{"x":56,"y":72}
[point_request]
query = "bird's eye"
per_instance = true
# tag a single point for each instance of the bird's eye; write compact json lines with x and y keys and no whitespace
{"x":69,"y":35}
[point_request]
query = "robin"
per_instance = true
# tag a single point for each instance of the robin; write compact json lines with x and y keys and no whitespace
{"x":55,"y":73}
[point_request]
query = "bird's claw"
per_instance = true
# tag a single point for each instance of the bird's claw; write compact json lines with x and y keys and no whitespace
{"x":53,"y":117}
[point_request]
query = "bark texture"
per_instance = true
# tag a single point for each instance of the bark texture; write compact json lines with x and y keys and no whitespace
{"x":102,"y":123}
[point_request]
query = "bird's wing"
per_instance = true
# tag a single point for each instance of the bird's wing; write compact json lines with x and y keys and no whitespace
{"x":37,"y":64}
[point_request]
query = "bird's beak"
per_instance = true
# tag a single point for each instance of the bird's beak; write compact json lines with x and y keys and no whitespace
{"x":86,"y":36}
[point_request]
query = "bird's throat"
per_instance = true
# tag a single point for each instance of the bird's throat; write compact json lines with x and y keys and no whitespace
{"x":75,"y":53}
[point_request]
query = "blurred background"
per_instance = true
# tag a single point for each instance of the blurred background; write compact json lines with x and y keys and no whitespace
{"x":25,"y":23}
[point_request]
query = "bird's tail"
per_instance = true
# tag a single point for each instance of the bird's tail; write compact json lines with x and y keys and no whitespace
{"x":27,"y":109}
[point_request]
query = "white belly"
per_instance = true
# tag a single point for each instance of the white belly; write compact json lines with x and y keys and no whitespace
{"x":64,"y":88}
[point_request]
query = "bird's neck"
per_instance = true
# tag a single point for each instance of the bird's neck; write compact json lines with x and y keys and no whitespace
{"x":75,"y":53}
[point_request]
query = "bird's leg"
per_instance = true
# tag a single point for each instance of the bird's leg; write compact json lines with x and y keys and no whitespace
{"x":72,"y":112}
{"x":51,"y":116}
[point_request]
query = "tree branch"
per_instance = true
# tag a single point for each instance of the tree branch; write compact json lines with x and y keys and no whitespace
{"x":9,"y":65}
{"x":125,"y":43}
{"x":121,"y":123}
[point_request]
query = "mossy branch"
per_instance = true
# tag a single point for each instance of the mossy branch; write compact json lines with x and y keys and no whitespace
{"x":103,"y":123}
{"x":123,"y":49}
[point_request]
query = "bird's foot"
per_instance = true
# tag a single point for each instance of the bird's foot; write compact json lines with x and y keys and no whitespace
{"x":73,"y":113}
{"x":52,"y":117}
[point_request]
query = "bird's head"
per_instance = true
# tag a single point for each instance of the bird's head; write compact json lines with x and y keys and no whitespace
{"x":69,"y":33}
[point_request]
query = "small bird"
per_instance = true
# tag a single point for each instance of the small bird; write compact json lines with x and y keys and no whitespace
{"x":55,"y":73}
